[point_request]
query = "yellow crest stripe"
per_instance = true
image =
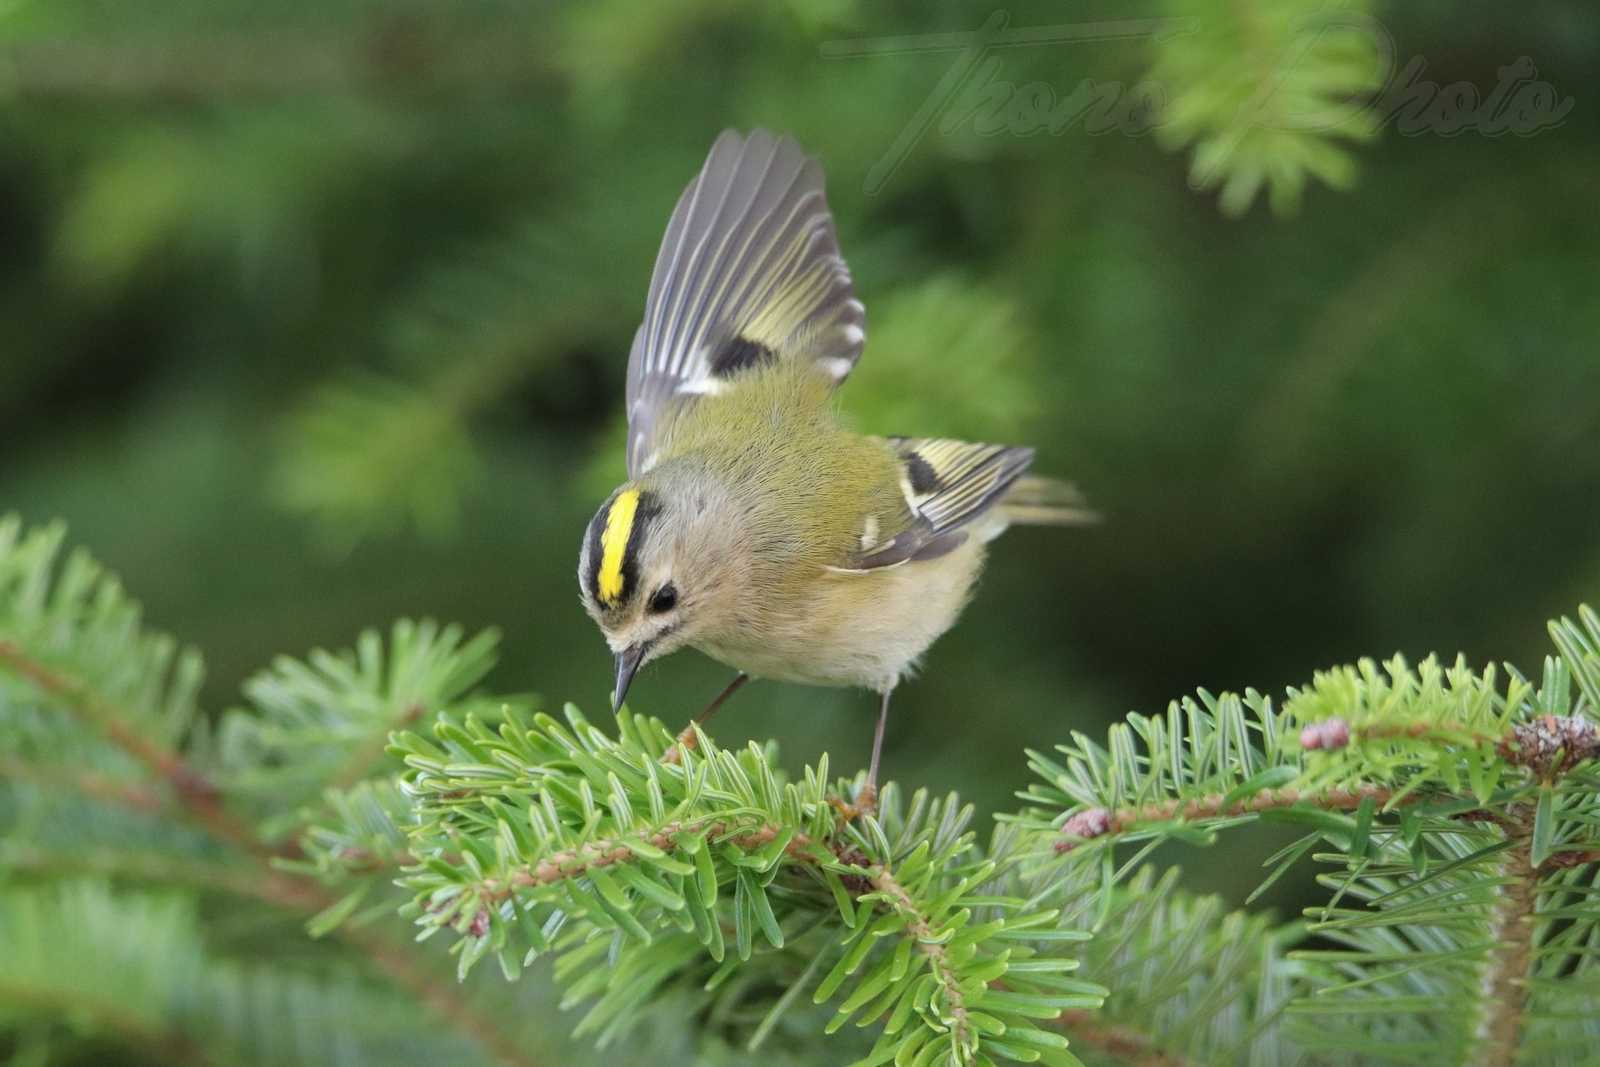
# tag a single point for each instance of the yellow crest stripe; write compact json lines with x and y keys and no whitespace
{"x":614,"y":543}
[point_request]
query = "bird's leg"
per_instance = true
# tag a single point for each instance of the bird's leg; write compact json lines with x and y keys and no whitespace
{"x":686,"y":737}
{"x":868,"y":800}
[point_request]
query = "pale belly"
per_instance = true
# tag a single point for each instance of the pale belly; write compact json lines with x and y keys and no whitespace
{"x":864,"y":630}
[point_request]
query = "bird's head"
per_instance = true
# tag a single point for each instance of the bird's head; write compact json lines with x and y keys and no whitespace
{"x":655,"y":571}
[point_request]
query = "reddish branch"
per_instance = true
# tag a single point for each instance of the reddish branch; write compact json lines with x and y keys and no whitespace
{"x":1097,"y":822}
{"x":686,"y":740}
{"x":1506,"y":972}
{"x":1419,"y":731}
{"x":574,"y":863}
{"x":90,"y":784}
{"x":442,"y":998}
{"x":918,"y":927}
{"x":174,"y":1046}
{"x":200,"y":801}
{"x":1549,"y":746}
{"x":1561,"y":861}
{"x":1127,"y":1045}
{"x":361,"y":760}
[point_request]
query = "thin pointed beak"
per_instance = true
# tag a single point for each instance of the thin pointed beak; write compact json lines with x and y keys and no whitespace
{"x":628,"y":661}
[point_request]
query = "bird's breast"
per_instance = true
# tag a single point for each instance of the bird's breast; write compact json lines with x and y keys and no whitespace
{"x":851,"y":629}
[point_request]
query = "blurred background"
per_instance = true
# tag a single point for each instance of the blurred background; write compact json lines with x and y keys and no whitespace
{"x":317,"y":315}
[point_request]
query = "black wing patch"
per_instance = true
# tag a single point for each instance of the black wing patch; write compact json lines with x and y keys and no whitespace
{"x":923,"y":478}
{"x":737,"y":354}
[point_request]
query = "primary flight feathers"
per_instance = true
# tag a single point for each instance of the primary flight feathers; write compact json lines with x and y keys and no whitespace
{"x":749,"y":270}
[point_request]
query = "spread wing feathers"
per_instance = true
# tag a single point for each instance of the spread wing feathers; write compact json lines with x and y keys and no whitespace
{"x":749,"y":271}
{"x":947,"y":484}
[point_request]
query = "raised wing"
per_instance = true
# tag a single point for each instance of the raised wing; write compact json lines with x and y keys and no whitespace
{"x":948,"y":485}
{"x":749,"y":271}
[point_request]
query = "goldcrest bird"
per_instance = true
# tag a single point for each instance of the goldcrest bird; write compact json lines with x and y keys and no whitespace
{"x":753,"y":526}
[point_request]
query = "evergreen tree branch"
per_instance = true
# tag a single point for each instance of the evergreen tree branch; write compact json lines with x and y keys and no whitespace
{"x":1124,"y":1043}
{"x":364,"y":758}
{"x":1507,"y":970}
{"x":291,"y":894}
{"x":296,"y":896}
{"x":1548,"y":745}
{"x":198,"y":798}
{"x":597,"y":855}
{"x":1092,"y":823}
{"x":1455,"y":810}
{"x":86,"y":603}
{"x":445,"y":1001}
{"x":90,"y":784}
{"x":930,"y":945}
{"x":173,"y":1046}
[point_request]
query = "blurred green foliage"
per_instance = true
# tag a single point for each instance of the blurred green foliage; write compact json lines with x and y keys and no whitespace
{"x":316,"y":315}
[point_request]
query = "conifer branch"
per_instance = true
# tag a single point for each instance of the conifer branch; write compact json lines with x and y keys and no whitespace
{"x":1092,"y":823}
{"x":1506,"y":972}
{"x":95,"y":786}
{"x":1126,"y":1044}
{"x":171,"y":1045}
{"x":360,"y":762}
{"x":202,"y":803}
{"x":445,"y":1001}
{"x":198,"y":798}
{"x":269,"y":887}
{"x":297,"y":896}
{"x":931,"y":946}
{"x":1451,"y":810}
{"x":598,"y":855}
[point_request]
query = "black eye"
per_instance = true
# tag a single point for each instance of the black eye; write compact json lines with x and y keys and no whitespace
{"x":666,"y":599}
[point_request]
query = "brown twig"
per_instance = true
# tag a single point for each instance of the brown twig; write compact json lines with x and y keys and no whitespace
{"x":1125,"y":1043}
{"x":1551,"y":745}
{"x":1568,"y":858}
{"x":96,"y":786}
{"x":686,"y":741}
{"x":1505,"y":976}
{"x":1424,"y":731}
{"x":303,"y":897}
{"x":201,"y":802}
{"x":172,"y":1045}
{"x":359,"y":762}
{"x":198,"y":798}
{"x":917,"y":926}
{"x":1098,"y":822}
{"x":443,"y":998}
{"x":574,"y":863}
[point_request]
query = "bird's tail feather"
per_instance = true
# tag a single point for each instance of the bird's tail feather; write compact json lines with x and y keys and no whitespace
{"x":1036,"y":501}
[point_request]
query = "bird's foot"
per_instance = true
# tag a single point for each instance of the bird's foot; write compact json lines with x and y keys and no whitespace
{"x":866,"y":803}
{"x":686,"y":740}
{"x":867,"y":799}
